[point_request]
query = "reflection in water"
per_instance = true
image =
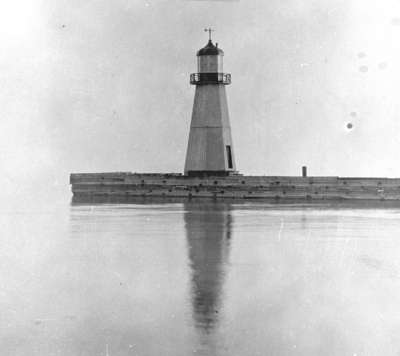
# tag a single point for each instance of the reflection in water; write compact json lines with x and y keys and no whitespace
{"x":165,"y":278}
{"x":208,"y":231}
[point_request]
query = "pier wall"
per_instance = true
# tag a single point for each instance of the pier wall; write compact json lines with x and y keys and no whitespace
{"x":235,"y":186}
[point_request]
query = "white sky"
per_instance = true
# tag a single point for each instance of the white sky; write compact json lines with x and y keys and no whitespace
{"x":104,"y":85}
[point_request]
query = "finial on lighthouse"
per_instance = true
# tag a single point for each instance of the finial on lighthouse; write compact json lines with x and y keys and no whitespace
{"x":209,"y":30}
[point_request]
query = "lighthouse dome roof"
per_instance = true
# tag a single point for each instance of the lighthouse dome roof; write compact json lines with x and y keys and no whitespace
{"x":210,"y":50}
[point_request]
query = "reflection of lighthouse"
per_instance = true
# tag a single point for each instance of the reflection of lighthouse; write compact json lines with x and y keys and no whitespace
{"x":210,"y":150}
{"x":208,"y":230}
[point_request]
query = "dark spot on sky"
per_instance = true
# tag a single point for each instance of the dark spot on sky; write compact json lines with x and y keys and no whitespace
{"x":361,"y":55}
{"x":63,"y":26}
{"x":396,"y":21}
{"x":349,"y":125}
{"x":363,"y":69}
{"x":382,"y":65}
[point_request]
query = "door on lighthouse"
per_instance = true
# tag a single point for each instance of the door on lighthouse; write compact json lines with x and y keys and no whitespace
{"x":229,"y":156}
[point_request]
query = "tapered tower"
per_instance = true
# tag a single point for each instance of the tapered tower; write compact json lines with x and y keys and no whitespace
{"x":210,"y":149}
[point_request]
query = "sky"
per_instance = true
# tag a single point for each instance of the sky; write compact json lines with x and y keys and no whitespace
{"x":94,"y":86}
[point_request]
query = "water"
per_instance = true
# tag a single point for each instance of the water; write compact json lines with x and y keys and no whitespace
{"x":200,"y":279}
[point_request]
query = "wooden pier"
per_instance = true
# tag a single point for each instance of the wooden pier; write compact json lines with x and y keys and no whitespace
{"x":234,"y":186}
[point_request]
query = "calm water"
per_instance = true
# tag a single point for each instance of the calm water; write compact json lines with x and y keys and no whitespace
{"x":200,"y":279}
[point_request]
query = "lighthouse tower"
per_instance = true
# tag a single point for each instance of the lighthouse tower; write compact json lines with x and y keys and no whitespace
{"x":210,"y":149}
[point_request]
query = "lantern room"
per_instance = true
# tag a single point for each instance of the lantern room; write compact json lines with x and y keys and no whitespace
{"x":210,"y":59}
{"x":210,"y":66}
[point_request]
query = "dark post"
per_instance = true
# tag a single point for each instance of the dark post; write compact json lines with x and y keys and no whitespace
{"x":304,"y":171}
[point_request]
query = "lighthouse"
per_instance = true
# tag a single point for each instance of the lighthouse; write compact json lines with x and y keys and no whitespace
{"x":210,"y":149}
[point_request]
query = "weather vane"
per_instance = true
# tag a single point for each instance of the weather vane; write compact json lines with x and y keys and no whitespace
{"x":209,"y":30}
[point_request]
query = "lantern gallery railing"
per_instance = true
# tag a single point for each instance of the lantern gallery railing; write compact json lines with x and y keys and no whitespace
{"x":210,"y":78}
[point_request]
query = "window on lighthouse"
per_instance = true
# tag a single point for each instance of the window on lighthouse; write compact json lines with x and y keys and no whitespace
{"x":209,"y":64}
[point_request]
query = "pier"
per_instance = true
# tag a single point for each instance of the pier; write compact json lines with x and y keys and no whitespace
{"x":235,"y":186}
